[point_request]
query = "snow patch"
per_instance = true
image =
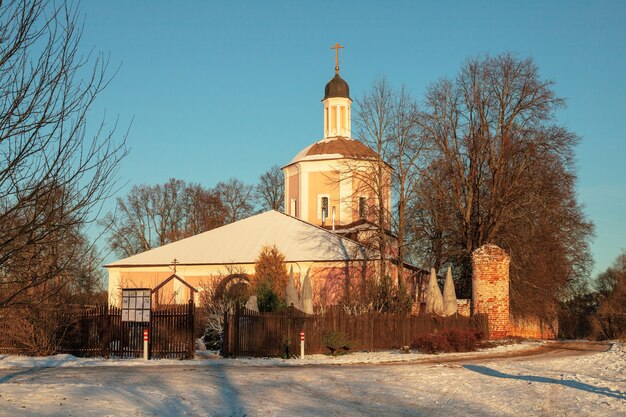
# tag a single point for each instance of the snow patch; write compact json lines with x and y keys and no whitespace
{"x":208,"y":358}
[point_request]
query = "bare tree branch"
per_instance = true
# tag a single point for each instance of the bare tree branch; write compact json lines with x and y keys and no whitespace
{"x":270,"y":191}
{"x":53,"y":178}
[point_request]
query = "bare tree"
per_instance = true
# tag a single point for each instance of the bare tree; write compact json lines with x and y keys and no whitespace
{"x":38,"y":319}
{"x":599,"y":313}
{"x":53,"y":177}
{"x":387,"y":123}
{"x":407,"y":153}
{"x":504,"y":170}
{"x":203,"y":210}
{"x":372,"y":176}
{"x":65,"y":263}
{"x":152,"y":216}
{"x":611,"y":314}
{"x":270,"y":191}
{"x":430,"y":219}
{"x":237,"y":198}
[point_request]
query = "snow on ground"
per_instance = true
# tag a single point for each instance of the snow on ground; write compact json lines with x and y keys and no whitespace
{"x":559,"y":384}
{"x":212,"y":358}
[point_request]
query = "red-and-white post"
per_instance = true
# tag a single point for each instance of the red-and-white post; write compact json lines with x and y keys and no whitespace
{"x":145,"y":344}
{"x":302,"y":345}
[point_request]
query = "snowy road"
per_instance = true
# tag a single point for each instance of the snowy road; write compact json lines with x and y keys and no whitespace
{"x":556,"y":382}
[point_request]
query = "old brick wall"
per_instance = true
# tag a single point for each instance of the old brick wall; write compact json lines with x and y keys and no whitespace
{"x":464,"y":307}
{"x":533,"y":328}
{"x":490,"y":288}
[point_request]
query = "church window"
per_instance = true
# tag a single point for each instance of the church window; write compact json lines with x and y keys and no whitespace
{"x":362,"y":207}
{"x":322,"y":211}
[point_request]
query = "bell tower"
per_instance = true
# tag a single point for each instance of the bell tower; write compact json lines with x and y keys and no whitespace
{"x":337,"y":103}
{"x":325,"y":183}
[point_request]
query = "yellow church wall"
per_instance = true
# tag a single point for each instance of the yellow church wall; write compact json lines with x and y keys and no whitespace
{"x":328,"y":279}
{"x":294,"y":191}
{"x":323,"y":183}
{"x":343,"y":180}
{"x":151,"y":276}
{"x":331,"y":281}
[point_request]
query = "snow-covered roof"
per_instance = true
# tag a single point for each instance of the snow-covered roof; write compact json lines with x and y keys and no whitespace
{"x":241,"y":242}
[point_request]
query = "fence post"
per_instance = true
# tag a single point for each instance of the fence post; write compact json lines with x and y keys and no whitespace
{"x":120,"y":345}
{"x":151,"y":330}
{"x":106,"y":332}
{"x":190,"y":319}
{"x":370,"y":325}
{"x":225,"y":334}
{"x":236,"y":331}
{"x":289,"y":323}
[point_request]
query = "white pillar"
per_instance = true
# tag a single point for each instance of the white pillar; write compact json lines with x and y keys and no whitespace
{"x":326,"y":120}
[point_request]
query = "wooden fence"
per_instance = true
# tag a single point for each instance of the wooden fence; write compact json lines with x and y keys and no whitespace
{"x":250,"y":333}
{"x":99,"y":331}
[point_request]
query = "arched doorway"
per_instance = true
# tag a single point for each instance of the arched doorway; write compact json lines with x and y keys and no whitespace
{"x":234,"y":288}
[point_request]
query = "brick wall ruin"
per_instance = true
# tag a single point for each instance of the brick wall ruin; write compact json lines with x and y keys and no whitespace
{"x":490,"y":294}
{"x":490,"y":288}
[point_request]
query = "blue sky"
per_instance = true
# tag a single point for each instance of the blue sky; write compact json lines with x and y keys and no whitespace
{"x":220,"y":89}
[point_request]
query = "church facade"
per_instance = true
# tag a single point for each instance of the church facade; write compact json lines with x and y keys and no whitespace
{"x":331,"y":207}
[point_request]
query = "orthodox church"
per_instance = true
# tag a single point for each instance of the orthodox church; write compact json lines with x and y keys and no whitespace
{"x":329,"y":212}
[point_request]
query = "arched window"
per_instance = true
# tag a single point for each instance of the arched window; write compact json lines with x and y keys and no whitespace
{"x":323,"y":203}
{"x":324,"y":208}
{"x":362,"y":207}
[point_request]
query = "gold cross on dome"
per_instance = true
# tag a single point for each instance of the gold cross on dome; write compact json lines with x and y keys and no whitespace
{"x":336,"y":47}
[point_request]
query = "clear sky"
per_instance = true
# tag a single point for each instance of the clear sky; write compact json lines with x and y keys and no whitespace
{"x":217,"y":89}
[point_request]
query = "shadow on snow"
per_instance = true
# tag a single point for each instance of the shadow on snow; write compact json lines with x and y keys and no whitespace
{"x":564,"y":382}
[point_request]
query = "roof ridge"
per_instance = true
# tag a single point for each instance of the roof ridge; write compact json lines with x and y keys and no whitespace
{"x":321,"y":228}
{"x":240,"y":242}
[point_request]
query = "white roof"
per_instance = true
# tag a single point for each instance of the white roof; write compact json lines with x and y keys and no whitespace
{"x":241,"y":242}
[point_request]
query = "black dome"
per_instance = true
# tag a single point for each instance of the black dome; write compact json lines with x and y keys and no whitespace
{"x":337,"y":87}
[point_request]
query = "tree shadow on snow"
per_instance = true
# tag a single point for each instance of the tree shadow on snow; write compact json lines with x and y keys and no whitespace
{"x":232,"y":404}
{"x":564,"y":382}
{"x":6,"y":378}
{"x":175,"y":399}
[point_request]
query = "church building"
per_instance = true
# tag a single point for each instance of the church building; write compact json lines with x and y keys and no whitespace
{"x":332,"y":196}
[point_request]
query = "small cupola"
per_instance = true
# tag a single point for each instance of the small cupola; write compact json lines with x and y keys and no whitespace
{"x":337,"y":117}
{"x":337,"y":87}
